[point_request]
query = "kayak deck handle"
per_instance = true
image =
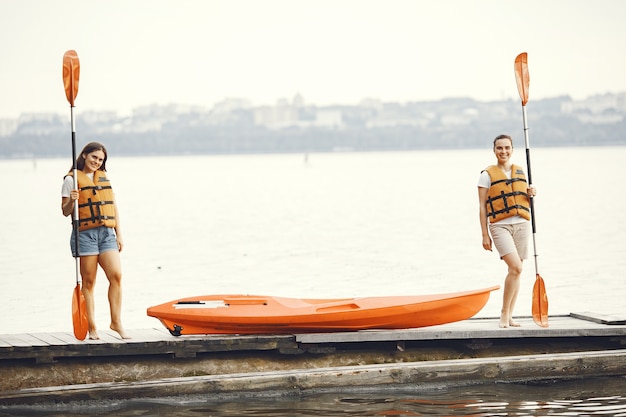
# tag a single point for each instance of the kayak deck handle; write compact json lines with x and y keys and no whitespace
{"x":338,"y":308}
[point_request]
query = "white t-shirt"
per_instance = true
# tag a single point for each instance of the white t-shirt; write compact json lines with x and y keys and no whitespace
{"x":484,"y":181}
{"x":68,"y":185}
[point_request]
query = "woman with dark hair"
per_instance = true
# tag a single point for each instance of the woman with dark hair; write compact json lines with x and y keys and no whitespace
{"x":504,"y":200}
{"x":99,"y":235}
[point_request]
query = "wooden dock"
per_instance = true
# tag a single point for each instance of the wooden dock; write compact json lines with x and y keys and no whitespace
{"x":40,"y":367}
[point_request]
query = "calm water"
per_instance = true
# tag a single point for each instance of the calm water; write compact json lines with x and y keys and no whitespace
{"x":330,"y":225}
{"x":602,"y":397}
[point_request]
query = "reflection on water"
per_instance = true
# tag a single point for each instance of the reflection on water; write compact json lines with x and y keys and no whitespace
{"x":602,"y":396}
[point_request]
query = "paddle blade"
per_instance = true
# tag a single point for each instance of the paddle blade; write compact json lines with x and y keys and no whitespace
{"x":71,"y":74}
{"x":79,"y":314}
{"x":522,"y":76}
{"x":540,"y":303}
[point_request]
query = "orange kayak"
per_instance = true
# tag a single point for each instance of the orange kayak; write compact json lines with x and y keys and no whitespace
{"x":256,"y":314}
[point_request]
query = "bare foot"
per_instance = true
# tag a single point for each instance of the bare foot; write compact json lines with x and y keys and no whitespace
{"x":513,"y":323}
{"x":93,"y":335}
{"x":504,"y":321}
{"x":120,"y":330}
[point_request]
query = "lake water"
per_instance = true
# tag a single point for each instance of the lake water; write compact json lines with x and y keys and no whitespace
{"x":322,"y":225}
{"x":601,"y":396}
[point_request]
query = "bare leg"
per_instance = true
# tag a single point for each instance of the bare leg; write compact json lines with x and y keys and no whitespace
{"x":511,"y":290}
{"x":112,"y":266}
{"x":88,"y":271}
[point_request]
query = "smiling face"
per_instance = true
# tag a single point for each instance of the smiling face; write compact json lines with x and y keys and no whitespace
{"x":93,"y":161}
{"x":503,"y":149}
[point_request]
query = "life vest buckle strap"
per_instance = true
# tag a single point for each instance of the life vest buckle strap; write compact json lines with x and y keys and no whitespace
{"x":504,"y":195}
{"x":508,"y":209}
{"x":94,"y":219}
{"x":101,"y":203}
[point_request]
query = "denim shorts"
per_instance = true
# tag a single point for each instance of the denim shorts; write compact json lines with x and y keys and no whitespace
{"x":94,"y":241}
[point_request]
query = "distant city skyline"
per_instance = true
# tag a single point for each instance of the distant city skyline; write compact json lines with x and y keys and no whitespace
{"x":228,"y":104}
{"x":199,"y":53}
{"x":234,"y":127}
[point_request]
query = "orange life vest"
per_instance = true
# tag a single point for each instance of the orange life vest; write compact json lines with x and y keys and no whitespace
{"x":507,"y":197}
{"x":96,"y":201}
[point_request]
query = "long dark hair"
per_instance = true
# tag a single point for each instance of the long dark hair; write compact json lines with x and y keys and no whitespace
{"x":89,"y":148}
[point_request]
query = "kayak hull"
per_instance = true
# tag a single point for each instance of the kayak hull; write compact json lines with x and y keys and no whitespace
{"x":259,"y":314}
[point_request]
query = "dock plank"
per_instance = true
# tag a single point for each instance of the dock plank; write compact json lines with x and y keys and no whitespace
{"x":610,"y":319}
{"x":49,"y":339}
{"x":158,"y":341}
{"x":66,"y":338}
{"x":18,"y":340}
{"x":560,"y":326}
{"x":108,"y":336}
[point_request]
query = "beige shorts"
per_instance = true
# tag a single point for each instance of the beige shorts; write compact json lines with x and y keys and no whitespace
{"x":509,"y":238}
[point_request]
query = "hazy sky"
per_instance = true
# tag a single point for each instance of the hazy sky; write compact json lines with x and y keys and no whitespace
{"x":139,"y":52}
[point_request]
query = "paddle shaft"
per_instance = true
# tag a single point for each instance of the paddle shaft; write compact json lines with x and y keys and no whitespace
{"x":75,"y":179}
{"x":530,"y":184}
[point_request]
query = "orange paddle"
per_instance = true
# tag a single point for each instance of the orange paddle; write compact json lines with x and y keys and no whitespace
{"x":71,"y":74}
{"x":540,"y":298}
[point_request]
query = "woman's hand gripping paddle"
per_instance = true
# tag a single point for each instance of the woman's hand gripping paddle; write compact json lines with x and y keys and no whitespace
{"x":540,"y":298}
{"x":71,"y":74}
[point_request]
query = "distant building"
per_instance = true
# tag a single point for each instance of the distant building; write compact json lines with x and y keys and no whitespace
{"x":231,"y":104}
{"x":328,"y":118}
{"x":40,"y":124}
{"x":598,"y":109}
{"x":276,"y":117}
